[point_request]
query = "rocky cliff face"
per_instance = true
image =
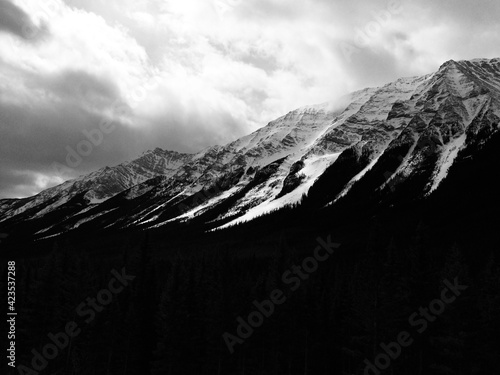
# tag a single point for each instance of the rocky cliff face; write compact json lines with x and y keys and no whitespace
{"x":420,"y":123}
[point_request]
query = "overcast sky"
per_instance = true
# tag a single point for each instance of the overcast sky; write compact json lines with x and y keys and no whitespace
{"x":186,"y":74}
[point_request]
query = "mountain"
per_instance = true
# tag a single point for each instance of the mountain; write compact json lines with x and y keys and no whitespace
{"x":373,"y":141}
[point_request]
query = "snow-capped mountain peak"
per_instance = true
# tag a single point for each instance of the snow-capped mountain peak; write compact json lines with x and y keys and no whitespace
{"x":415,"y":126}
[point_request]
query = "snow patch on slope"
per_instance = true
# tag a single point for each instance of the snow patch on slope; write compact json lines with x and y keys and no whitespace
{"x":446,"y":160}
{"x":356,"y":178}
{"x":314,"y":167}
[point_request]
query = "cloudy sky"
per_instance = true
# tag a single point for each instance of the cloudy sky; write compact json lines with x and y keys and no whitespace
{"x":187,"y":74}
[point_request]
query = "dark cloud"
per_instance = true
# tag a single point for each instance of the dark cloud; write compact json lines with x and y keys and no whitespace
{"x":32,"y":141}
{"x":84,"y":90}
{"x":82,"y":85}
{"x":14,"y":184}
{"x":36,"y":136}
{"x":14,"y":20}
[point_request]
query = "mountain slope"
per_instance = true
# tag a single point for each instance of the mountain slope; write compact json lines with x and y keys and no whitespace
{"x":377,"y":138}
{"x":95,"y":187}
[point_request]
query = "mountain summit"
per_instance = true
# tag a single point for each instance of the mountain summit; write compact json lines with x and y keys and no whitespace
{"x":411,"y":129}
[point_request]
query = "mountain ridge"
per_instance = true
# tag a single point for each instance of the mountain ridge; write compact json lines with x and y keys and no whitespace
{"x":413,"y":120}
